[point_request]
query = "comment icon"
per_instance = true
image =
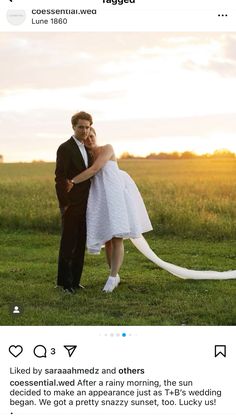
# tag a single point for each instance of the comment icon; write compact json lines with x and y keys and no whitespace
{"x":40,"y":351}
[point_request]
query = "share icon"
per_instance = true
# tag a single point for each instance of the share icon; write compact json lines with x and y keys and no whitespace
{"x":71,"y":349}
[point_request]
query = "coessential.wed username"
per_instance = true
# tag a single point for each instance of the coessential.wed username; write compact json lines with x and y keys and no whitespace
{"x":63,"y":11}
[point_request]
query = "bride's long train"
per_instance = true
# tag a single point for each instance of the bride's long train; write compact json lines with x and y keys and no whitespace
{"x":142,"y":245}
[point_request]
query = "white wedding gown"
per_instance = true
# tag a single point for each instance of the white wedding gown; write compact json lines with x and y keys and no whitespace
{"x":116,"y":209}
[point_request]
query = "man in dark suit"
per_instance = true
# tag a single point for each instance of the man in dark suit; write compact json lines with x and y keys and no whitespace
{"x":72,"y":159}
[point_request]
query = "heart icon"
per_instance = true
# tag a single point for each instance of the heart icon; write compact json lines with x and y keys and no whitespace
{"x":15,"y":350}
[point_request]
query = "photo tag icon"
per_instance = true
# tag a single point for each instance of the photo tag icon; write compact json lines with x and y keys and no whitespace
{"x":16,"y":310}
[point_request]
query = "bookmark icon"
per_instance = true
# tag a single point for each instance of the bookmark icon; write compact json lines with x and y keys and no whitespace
{"x":71,"y":349}
{"x":220,"y":350}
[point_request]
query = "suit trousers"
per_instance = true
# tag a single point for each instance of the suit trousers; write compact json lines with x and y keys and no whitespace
{"x":72,"y":246}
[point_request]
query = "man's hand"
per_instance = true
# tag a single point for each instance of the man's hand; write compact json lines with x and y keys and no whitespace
{"x":69,"y":185}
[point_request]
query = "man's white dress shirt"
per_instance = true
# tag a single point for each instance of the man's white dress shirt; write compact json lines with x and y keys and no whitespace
{"x":82,"y":150}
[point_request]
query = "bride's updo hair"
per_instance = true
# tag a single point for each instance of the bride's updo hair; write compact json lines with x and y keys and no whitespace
{"x":93,"y":130}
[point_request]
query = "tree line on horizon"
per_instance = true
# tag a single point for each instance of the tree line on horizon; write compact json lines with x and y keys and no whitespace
{"x":175,"y":155}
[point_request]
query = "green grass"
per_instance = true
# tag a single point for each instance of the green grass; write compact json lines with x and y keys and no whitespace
{"x":191,"y":205}
{"x":188,"y":198}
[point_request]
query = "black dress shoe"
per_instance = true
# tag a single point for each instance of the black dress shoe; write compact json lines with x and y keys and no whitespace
{"x":69,"y":291}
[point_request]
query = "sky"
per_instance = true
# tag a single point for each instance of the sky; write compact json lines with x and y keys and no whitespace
{"x":147,"y":92}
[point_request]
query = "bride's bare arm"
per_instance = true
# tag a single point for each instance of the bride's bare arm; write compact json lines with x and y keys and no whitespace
{"x":105,"y":155}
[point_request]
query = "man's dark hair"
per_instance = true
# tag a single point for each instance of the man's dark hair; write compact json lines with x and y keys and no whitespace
{"x":81,"y":115}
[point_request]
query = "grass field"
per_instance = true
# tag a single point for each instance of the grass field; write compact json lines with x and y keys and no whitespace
{"x":192,"y":207}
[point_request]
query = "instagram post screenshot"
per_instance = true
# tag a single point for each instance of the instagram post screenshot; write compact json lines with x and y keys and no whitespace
{"x":118,"y":209}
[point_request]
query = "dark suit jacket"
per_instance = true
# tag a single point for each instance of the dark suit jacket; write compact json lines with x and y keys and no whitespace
{"x":69,"y":164}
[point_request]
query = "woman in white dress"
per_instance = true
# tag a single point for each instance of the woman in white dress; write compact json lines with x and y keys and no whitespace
{"x":115,"y":208}
{"x":116,"y":211}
